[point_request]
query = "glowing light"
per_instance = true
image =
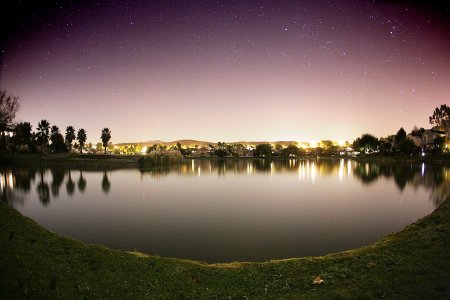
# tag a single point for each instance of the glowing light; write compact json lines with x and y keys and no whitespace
{"x":423,"y":169}
{"x":144,"y":150}
{"x":341,"y":169}
{"x":313,"y":172}
{"x":349,"y":167}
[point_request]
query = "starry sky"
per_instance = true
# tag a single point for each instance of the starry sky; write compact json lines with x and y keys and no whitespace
{"x":228,"y":70}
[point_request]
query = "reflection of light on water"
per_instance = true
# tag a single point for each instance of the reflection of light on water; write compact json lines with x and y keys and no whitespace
{"x":6,"y":181}
{"x":349,"y":167}
{"x":341,"y":169}
{"x":2,"y":182}
{"x":367,"y":169}
{"x":307,"y":169}
{"x":271,"y":169}
{"x":198,"y":170}
{"x":313,"y":172}
{"x":423,"y":169}
{"x":249,"y":168}
{"x":193,"y":166}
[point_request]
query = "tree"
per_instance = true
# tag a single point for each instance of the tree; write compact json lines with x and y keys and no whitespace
{"x":263,"y":150}
{"x":439,"y":144}
{"x":43,"y":132}
{"x":57,"y":140}
{"x":81,"y":138}
{"x":400,"y":136}
{"x":9,"y":106}
{"x":106,"y":136}
{"x":440,"y":116}
{"x":366,"y":143}
{"x":22,"y":134}
{"x":407,"y":146}
{"x":290,"y":151}
{"x":70,"y":136}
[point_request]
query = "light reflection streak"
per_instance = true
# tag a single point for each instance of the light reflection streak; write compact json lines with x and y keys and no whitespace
{"x":341,"y":169}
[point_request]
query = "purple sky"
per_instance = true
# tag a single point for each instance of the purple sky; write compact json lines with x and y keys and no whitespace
{"x":232,"y":70}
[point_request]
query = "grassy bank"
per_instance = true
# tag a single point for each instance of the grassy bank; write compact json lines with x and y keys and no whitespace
{"x":35,"y":263}
{"x":72,"y":160}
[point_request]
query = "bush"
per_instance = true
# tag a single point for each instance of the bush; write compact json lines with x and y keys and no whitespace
{"x":160,"y":158}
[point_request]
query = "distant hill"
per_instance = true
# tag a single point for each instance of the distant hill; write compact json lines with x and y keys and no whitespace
{"x":192,"y":143}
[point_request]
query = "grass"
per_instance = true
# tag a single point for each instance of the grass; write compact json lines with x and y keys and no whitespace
{"x":72,"y":160}
{"x":38,"y":264}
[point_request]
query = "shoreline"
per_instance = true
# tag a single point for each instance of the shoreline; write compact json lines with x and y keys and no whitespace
{"x":132,"y":161}
{"x":37,"y":263}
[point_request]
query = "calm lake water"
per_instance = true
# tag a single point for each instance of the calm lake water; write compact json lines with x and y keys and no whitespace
{"x":221,"y":211}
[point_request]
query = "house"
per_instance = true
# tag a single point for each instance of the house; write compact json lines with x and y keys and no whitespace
{"x":416,"y":139}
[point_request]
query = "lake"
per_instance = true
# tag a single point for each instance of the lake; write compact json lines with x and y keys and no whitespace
{"x":232,"y":210}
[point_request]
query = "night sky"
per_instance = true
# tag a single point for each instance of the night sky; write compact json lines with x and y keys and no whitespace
{"x":229,"y":70}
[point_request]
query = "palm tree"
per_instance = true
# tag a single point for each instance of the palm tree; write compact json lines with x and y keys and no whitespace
{"x":70,"y":136}
{"x":43,"y":131}
{"x":81,"y":137}
{"x":106,"y":136}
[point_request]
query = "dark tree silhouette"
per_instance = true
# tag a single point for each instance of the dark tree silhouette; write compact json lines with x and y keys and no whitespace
{"x":400,"y":136}
{"x":43,"y":132}
{"x":57,"y":140}
{"x":22,"y":134}
{"x":263,"y":150}
{"x":290,"y":150}
{"x":9,"y":106}
{"x":106,"y":136}
{"x":81,"y":138}
{"x":441,"y":116}
{"x":70,"y":136}
{"x":366,"y":142}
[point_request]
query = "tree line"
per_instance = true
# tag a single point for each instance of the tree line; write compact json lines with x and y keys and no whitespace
{"x":49,"y":138}
{"x":46,"y":138}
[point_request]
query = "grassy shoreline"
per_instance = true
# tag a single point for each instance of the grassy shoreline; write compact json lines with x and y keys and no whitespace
{"x":132,"y":161}
{"x":36,"y":264}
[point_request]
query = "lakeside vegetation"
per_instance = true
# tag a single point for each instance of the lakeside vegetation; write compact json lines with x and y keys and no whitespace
{"x":19,"y":138}
{"x":38,"y":264}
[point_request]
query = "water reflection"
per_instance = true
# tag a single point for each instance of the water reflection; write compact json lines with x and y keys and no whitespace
{"x":432,"y":177}
{"x":81,"y":182}
{"x":43,"y":189}
{"x":224,"y":210}
{"x":58,"y":179}
{"x":106,"y":185}
{"x":70,"y":185}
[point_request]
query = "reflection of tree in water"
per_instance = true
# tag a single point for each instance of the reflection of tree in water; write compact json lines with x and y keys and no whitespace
{"x":367,"y":173}
{"x":434,"y":179}
{"x":43,"y":190}
{"x":157,"y":172}
{"x":23,"y":179}
{"x":262,"y":165}
{"x":402,"y":176}
{"x":70,"y":185}
{"x":58,"y":179}
{"x":81,"y":182}
{"x":106,"y":185}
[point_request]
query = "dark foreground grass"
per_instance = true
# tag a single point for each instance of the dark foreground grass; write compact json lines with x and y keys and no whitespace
{"x":37,"y":264}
